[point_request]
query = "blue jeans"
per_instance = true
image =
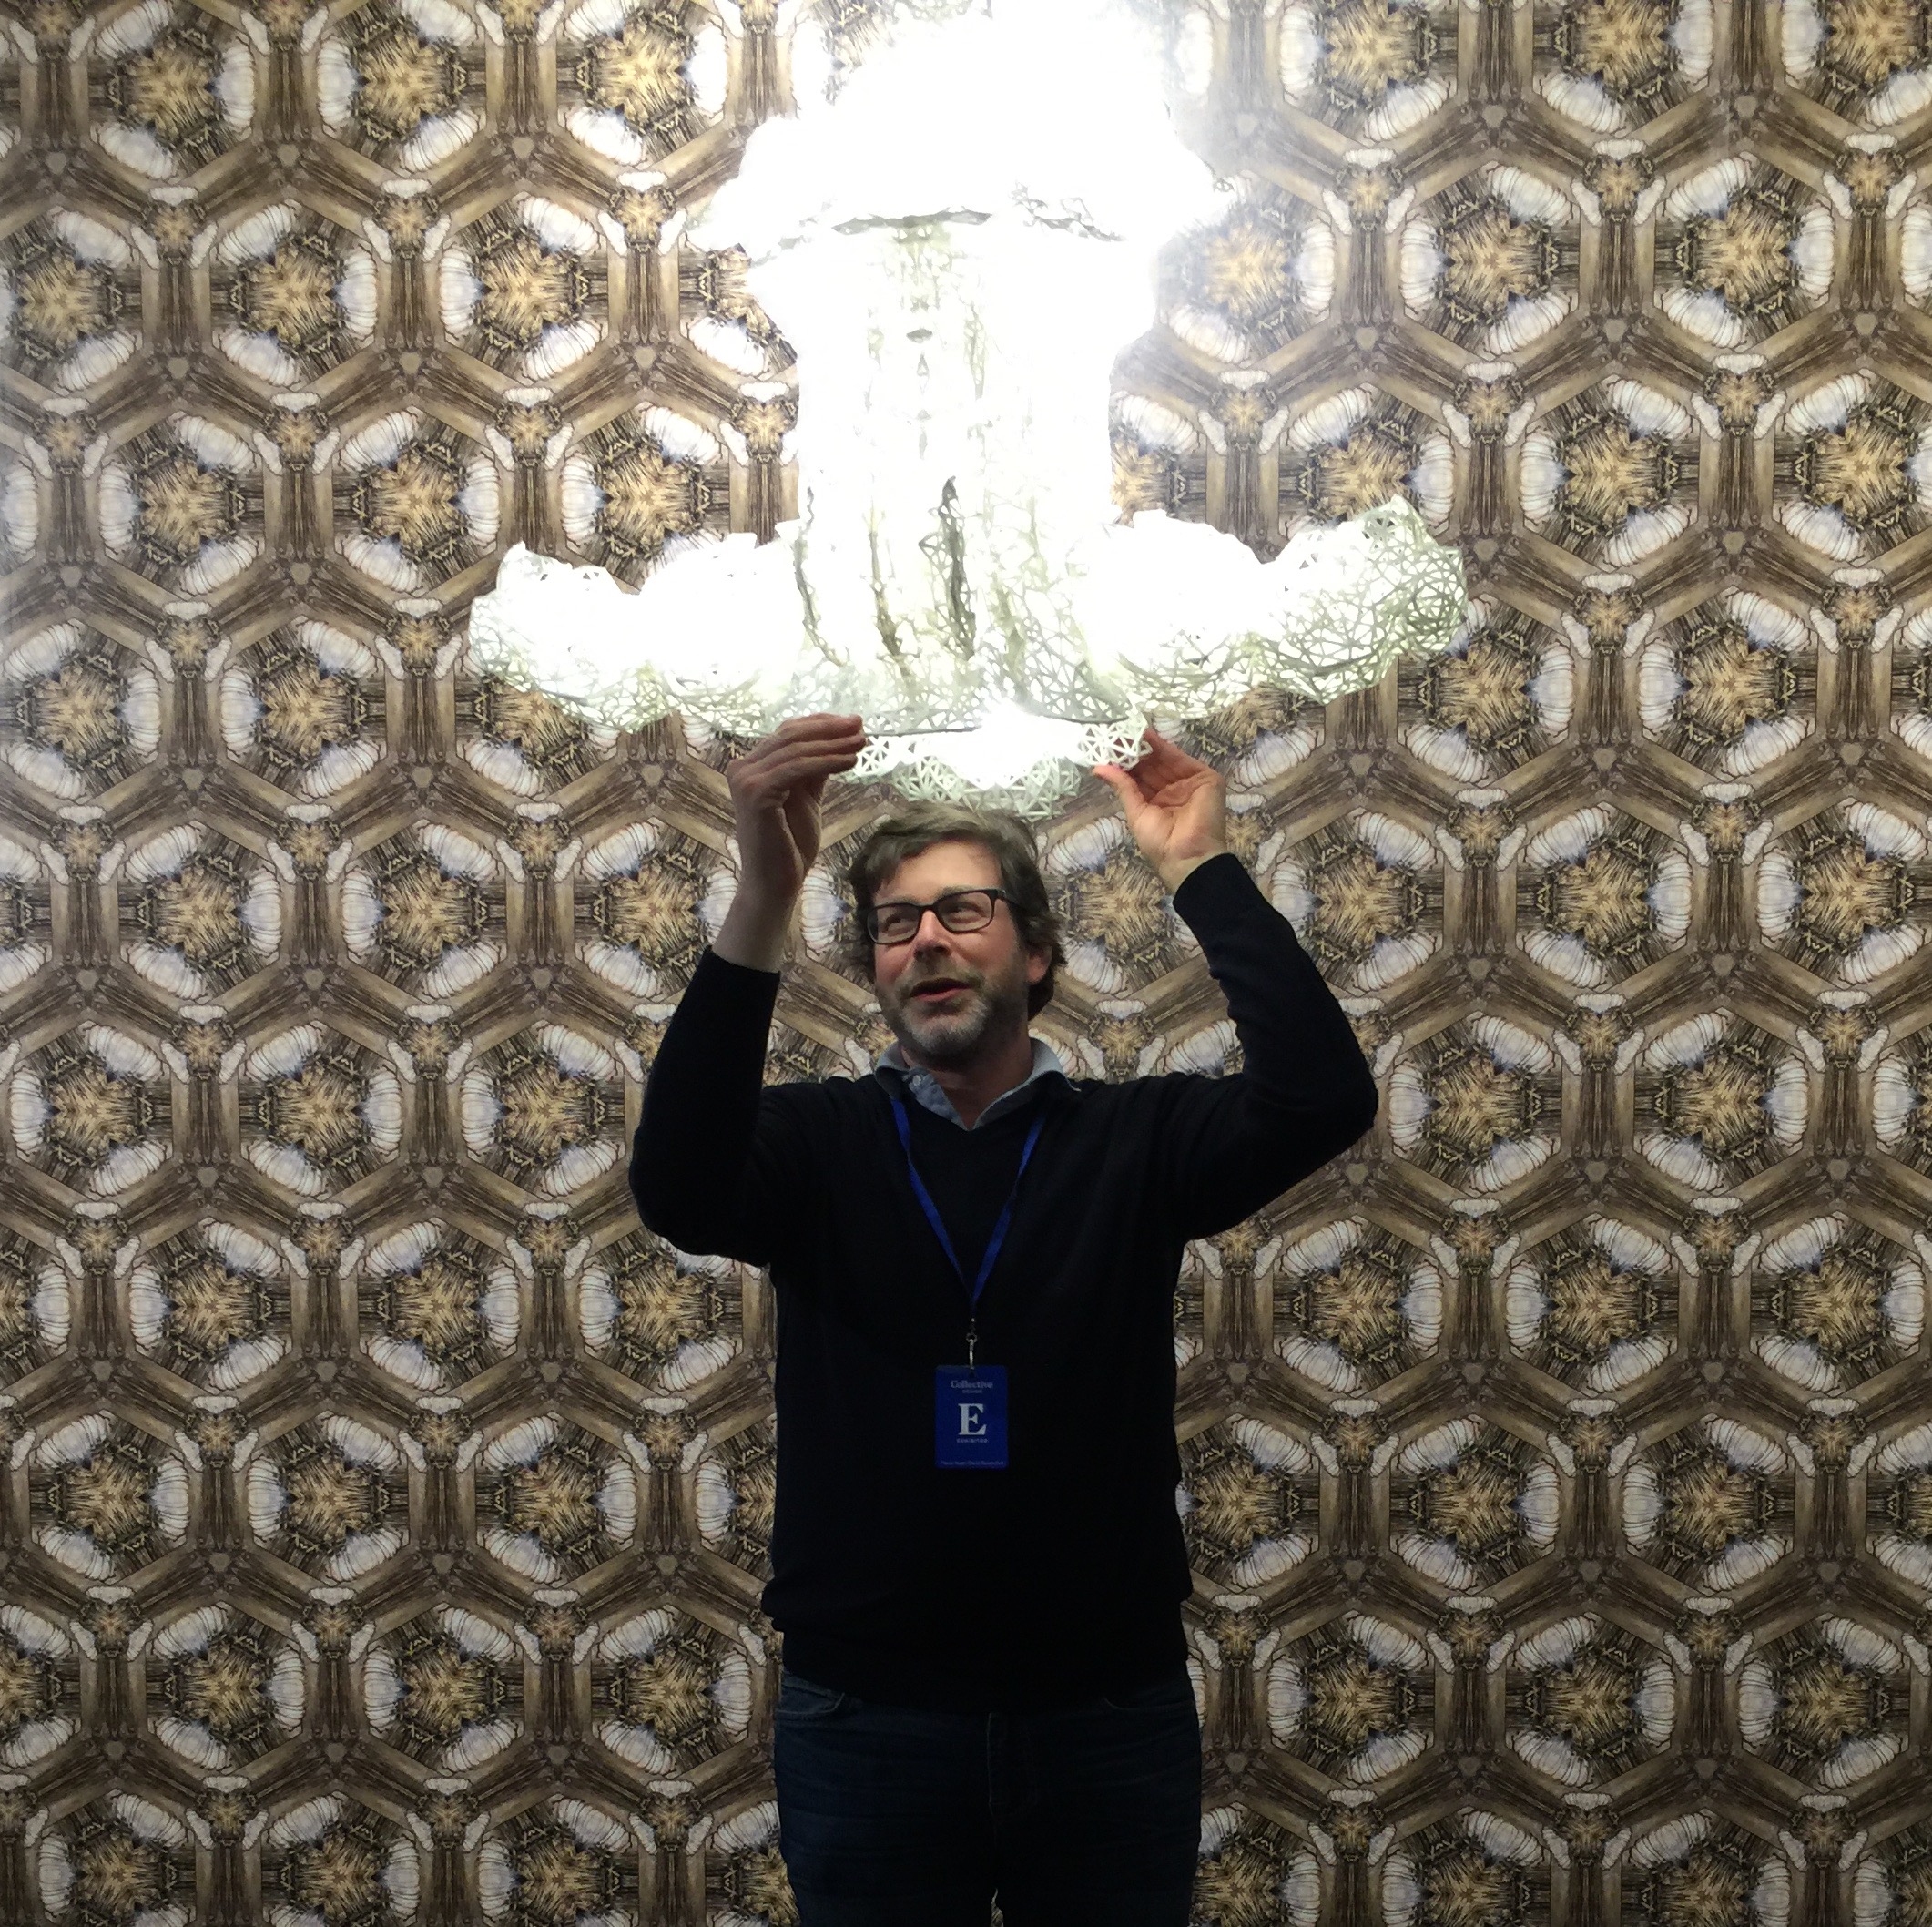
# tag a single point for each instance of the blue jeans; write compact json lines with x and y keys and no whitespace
{"x":892,"y":1817}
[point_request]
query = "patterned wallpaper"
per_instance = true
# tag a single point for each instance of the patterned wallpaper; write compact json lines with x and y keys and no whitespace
{"x":385,"y":1512}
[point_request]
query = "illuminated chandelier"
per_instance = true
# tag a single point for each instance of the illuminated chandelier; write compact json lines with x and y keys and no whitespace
{"x":957,"y":246}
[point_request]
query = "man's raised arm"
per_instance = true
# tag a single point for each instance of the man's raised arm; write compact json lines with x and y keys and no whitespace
{"x":718,"y":1165}
{"x":1231,"y":1145}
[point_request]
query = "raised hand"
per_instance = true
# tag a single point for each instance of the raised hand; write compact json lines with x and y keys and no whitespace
{"x":777,"y":789}
{"x":1176,"y":807}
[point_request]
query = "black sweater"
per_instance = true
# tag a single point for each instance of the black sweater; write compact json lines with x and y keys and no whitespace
{"x":1060,"y":1576}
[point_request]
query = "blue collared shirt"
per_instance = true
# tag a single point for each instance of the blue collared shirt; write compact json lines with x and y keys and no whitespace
{"x":923,"y":1085}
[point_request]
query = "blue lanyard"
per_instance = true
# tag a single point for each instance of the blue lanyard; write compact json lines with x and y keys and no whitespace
{"x":932,"y":1217}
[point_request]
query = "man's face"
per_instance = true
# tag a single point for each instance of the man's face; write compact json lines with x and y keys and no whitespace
{"x":991,"y":968}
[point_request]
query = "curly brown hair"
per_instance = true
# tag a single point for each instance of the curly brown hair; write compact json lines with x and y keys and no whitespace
{"x":916,"y":826}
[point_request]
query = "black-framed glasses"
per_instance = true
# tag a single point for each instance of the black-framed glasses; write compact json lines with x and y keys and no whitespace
{"x":959,"y":911}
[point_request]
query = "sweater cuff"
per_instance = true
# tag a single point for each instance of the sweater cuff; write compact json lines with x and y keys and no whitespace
{"x":1219,"y":888}
{"x":726,"y":979}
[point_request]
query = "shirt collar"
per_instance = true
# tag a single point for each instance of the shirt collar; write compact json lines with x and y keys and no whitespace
{"x":890,"y":1067}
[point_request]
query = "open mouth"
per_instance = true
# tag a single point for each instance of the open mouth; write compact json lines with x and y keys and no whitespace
{"x":938,"y":993}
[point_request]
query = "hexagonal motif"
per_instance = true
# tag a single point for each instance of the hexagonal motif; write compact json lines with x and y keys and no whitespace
{"x":91,"y":1108}
{"x":1351,"y":453}
{"x":425,"y":908}
{"x":1829,"y":1704}
{"x":402,"y":80}
{"x":72,"y":286}
{"x":212,"y":1304}
{"x":1354,"y":1305}
{"x":330,"y":1496}
{"x":295,"y":296}
{"x":119,"y":1860}
{"x":332,"y":1859}
{"x":1835,"y":57}
{"x":1588,"y":1700}
{"x":554,"y":1500}
{"x":1728,"y":1101}
{"x":1743,"y":250}
{"x":303,"y":710}
{"x":1710,"y":1504}
{"x":1364,"y":71}
{"x":1728,"y":686}
{"x":435,"y":1306}
{"x":636,"y":78}
{"x":1245,"y":1854}
{"x":545,"y":1109}
{"x":669,"y":1691}
{"x":561,"y":1857}
{"x":1841,"y":894}
{"x":1833,"y":1302}
{"x":1611,"y":64}
{"x":1364,"y":894}
{"x":661,"y":1317}
{"x":1493,"y":701}
{"x":199,"y":912}
{"x":446,"y":1687}
{"x":1489,"y":263}
{"x":321,"y":1111}
{"x":1265,"y":272}
{"x":1118,"y":926}
{"x":169,"y":90}
{"x":1250,"y":1503}
{"x":1600,"y":895}
{"x":641,"y":488}
{"x":639,"y":898}
{"x":1854,"y":449}
{"x":106,"y":1498}
{"x":415,"y":502}
{"x":1471,"y":1503}
{"x":223,"y":1688}
{"x":1355,"y":1697}
{"x":181,"y":504}
{"x":1595,"y":1305}
{"x":1612,"y":473}
{"x":39,"y":1688}
{"x":1699,"y":1868}
{"x":1478,"y":1104}
{"x":1474,"y":1866}
{"x":82,"y":712}
{"x":520,"y":287}
{"x":1159,"y":460}
{"x":523,"y":742}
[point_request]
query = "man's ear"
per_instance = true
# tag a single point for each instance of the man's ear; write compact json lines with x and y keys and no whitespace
{"x":1037,"y":962}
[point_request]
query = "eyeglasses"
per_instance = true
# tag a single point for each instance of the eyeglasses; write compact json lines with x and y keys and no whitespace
{"x":959,"y":911}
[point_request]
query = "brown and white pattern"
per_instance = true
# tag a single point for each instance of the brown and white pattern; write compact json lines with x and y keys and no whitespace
{"x":385,"y":1512}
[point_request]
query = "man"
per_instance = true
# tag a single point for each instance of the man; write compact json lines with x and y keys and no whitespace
{"x":977,"y":1562}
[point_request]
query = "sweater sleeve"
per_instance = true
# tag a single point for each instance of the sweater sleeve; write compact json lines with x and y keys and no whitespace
{"x":722,"y":1162}
{"x":1230,"y":1145}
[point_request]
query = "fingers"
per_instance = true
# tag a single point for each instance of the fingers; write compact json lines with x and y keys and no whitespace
{"x":798,"y":748}
{"x":771,"y":780}
{"x":817,"y":730}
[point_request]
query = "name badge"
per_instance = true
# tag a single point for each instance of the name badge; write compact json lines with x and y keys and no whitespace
{"x":970,"y":1415}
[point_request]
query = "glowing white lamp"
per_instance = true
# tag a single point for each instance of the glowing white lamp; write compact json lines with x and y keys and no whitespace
{"x":958,"y":246}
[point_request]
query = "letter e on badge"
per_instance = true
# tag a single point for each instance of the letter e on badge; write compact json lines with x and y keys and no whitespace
{"x":969,"y":1416}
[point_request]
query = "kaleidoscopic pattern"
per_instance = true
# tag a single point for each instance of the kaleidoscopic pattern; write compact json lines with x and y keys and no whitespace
{"x":387,"y":1511}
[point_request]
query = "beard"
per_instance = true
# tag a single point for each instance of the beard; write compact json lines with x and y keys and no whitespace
{"x":987,"y":1006}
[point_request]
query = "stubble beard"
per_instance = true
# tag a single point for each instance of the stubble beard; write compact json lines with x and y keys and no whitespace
{"x":942,"y":1037}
